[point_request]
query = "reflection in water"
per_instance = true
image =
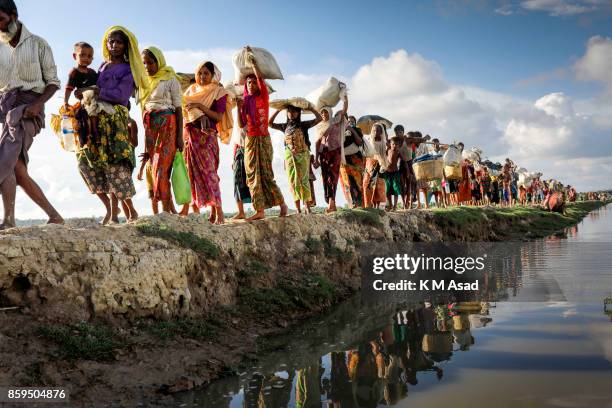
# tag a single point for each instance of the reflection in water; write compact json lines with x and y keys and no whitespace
{"x":432,"y":352}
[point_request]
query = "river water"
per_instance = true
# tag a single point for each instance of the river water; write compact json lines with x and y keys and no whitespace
{"x":509,"y":351}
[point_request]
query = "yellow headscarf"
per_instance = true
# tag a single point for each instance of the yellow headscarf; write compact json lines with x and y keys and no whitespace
{"x":206,"y":95}
{"x":164,"y":72}
{"x":136,"y":66}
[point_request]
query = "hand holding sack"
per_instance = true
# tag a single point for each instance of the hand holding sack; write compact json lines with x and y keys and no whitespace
{"x":243,"y":64}
{"x":328,"y":94}
{"x":180,"y":180}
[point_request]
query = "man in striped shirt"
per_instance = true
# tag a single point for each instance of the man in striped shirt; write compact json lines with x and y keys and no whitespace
{"x":28,"y":79}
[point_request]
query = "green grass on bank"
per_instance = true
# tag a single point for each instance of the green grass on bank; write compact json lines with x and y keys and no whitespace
{"x":83,"y":341}
{"x":288,"y":295}
{"x":537,"y":221}
{"x":366,"y":216}
{"x":202,"y":246}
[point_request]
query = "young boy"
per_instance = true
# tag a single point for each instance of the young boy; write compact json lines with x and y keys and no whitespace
{"x":405,"y":168}
{"x":81,"y":76}
{"x":145,"y":167}
{"x":393,"y":176}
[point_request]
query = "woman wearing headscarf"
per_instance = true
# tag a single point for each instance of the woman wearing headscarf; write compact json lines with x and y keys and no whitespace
{"x":106,"y":160}
{"x":297,"y":153}
{"x":253,"y":114}
{"x":330,"y":149}
{"x":207,"y":116}
{"x":374,"y":191}
{"x":351,"y":171}
{"x":163,"y":123}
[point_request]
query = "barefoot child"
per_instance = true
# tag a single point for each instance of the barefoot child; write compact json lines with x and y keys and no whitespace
{"x":80,"y":76}
{"x":241,"y":189}
{"x":392,"y":174}
{"x":145,"y":167}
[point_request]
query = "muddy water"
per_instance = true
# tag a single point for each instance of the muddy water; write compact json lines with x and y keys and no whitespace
{"x":508,"y":350}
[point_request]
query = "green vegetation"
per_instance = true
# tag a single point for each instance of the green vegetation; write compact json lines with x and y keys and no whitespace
{"x":32,"y":375}
{"x":187,"y":327}
{"x":458,"y":216}
{"x":83,"y":341}
{"x":313,"y":245}
{"x":289,"y":294}
{"x":253,"y":268}
{"x":202,"y":246}
{"x":518,"y":219}
{"x":365,"y":216}
{"x":333,"y":251}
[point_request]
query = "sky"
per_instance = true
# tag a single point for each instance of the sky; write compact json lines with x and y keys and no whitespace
{"x":530,"y":80}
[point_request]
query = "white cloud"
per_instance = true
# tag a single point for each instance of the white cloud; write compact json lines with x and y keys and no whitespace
{"x":411,"y":90}
{"x":561,"y":7}
{"x":596,"y":63}
{"x":554,"y":8}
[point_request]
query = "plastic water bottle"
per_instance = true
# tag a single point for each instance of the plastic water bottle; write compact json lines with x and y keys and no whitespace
{"x":68,"y":133}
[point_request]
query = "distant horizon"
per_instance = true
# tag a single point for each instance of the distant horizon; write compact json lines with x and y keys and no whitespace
{"x":527,"y":80}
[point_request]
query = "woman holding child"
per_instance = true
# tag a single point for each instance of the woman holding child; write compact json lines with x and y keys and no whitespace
{"x":163,"y":123}
{"x":207,"y":116}
{"x":106,"y":159}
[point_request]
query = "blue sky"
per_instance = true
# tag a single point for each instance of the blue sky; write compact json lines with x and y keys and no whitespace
{"x":529,"y":79}
{"x":475,"y":45}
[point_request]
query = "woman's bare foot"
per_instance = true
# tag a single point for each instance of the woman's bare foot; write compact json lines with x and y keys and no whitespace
{"x":239,"y":216}
{"x":56,"y":219}
{"x":220,"y":218}
{"x":259,"y":215}
{"x":106,"y":218}
{"x":184,"y":211}
{"x":133,"y":216}
{"x":283,"y":210}
{"x":330,"y":209}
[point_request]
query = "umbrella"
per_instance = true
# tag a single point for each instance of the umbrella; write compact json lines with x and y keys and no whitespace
{"x":366,"y":122}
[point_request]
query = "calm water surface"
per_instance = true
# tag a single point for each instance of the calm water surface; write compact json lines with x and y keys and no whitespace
{"x":507,"y":352}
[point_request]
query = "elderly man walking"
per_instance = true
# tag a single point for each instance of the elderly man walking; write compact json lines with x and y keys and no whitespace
{"x":28,"y":79}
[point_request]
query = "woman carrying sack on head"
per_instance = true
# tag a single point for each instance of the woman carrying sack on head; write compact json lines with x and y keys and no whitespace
{"x":258,"y":151}
{"x":297,"y":153}
{"x":330,"y":149}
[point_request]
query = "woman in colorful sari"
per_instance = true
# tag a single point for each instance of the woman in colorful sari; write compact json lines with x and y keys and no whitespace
{"x":253,"y":114}
{"x":207,"y":116}
{"x":163,"y":123}
{"x":351,"y":171}
{"x":106,"y":160}
{"x":297,"y":153}
{"x":374,"y":192}
{"x":330,"y":150}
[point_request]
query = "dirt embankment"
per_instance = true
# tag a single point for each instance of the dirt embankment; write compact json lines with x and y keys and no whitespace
{"x":119,"y":314}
